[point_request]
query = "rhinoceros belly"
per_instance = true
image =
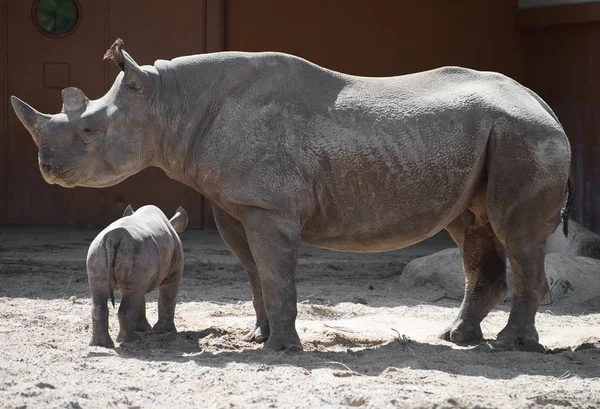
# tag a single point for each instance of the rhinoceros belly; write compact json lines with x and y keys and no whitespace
{"x":372,"y":200}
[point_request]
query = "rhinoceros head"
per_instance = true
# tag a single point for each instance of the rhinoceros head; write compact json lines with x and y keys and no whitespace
{"x":97,"y":143}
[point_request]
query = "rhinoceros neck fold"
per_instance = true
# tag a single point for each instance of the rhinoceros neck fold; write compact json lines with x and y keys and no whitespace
{"x":190,"y":101}
{"x":215,"y":107}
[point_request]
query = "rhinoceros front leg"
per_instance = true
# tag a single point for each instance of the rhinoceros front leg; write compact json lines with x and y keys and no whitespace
{"x":232,"y":233}
{"x":167,"y":299}
{"x":485,"y":277}
{"x":275,"y":241}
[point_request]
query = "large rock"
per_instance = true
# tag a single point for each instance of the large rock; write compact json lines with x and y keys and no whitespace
{"x":575,"y":281}
{"x":581,"y":242}
{"x":440,"y":272}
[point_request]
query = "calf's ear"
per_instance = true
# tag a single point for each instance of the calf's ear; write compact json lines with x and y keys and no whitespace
{"x":128,"y":211}
{"x":180,"y":220}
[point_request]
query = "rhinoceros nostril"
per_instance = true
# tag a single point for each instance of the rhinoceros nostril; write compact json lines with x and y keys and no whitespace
{"x":46,"y":167}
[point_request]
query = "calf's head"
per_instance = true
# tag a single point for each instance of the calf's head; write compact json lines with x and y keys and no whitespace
{"x":98,"y":143}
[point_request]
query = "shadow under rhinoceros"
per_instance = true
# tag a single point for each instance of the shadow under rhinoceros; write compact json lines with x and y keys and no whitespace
{"x":484,"y":360}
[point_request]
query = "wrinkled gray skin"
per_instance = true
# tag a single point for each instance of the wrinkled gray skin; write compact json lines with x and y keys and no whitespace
{"x":135,"y":255}
{"x":289,"y":153}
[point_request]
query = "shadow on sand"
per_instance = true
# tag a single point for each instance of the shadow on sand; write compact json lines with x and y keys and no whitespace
{"x":374,"y":360}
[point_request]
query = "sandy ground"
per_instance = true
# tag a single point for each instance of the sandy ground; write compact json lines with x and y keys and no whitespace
{"x":368,"y":343}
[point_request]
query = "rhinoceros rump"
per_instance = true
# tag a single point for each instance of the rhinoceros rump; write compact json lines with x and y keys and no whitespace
{"x":289,"y":153}
{"x":135,"y":255}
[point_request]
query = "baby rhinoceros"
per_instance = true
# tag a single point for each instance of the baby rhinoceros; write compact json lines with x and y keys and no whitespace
{"x":135,"y":255}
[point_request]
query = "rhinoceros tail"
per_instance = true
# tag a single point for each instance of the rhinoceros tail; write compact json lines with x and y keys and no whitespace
{"x":564,"y":213}
{"x":111,"y":250}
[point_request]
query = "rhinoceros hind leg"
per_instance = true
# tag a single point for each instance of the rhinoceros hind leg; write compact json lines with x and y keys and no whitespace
{"x":527,"y":180}
{"x":142,"y":323}
{"x":128,"y":315}
{"x":167,"y":299}
{"x":485,"y":276}
{"x":100,"y":335}
{"x":530,"y":287}
{"x":232,"y":233}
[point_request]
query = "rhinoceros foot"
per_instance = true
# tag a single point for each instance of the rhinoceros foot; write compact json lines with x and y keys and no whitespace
{"x":259,"y":334}
{"x":514,"y":339}
{"x":127,"y":337}
{"x":164,"y":326}
{"x":463,"y":332}
{"x":102,"y":341}
{"x":285,"y":341}
{"x":143,"y":326}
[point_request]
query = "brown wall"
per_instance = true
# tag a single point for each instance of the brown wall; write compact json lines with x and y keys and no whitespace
{"x":563,"y":65}
{"x":555,"y":51}
{"x":36,"y":67}
{"x":3,"y":107}
{"x":381,"y":37}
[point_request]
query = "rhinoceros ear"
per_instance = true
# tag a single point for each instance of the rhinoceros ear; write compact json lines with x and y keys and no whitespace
{"x":74,"y":100}
{"x":128,"y":211}
{"x":135,"y":77}
{"x":180,"y":220}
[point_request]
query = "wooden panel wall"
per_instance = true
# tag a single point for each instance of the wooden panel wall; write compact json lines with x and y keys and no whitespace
{"x":562,"y":61}
{"x":28,"y":58}
{"x":152,"y":31}
{"x":38,"y":68}
{"x":3,"y":108}
{"x":554,"y":51}
{"x":381,"y":37}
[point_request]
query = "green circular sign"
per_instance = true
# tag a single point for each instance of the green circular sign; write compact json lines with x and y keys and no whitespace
{"x":56,"y":17}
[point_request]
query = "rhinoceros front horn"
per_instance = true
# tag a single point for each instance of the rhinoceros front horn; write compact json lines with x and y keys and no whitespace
{"x":29,"y":117}
{"x":73,"y":100}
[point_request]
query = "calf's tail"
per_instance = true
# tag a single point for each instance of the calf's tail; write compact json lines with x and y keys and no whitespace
{"x":111,"y":250}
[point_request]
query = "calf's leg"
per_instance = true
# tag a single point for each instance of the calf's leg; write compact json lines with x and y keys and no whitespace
{"x":142,"y":324}
{"x":100,"y":335}
{"x":167,"y":299}
{"x":128,"y":316}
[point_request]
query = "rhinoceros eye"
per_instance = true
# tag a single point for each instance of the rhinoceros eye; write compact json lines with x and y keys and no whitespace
{"x":89,"y":135}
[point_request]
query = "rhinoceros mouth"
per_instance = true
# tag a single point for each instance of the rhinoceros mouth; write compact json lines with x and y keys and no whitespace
{"x":63,"y":183}
{"x":64,"y":178}
{"x":78,"y":180}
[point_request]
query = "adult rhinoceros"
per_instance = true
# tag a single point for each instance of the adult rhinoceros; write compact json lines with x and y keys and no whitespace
{"x":290,"y":153}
